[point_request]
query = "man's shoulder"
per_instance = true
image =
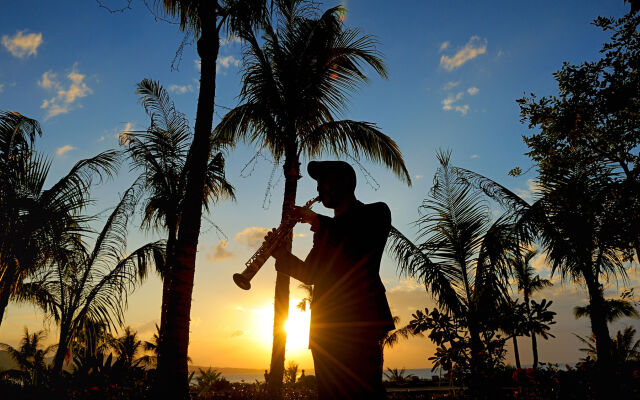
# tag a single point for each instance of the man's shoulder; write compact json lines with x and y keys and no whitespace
{"x":378,"y":208}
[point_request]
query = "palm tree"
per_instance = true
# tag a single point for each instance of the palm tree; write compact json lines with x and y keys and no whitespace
{"x":463,"y":259}
{"x":204,"y":19}
{"x":614,"y":308}
{"x":160,"y":153}
{"x":396,"y":375}
{"x":90,"y":285}
{"x":30,"y":358}
{"x":293,"y":85}
{"x":33,"y":218}
{"x":528,"y":282}
{"x":625,"y":348}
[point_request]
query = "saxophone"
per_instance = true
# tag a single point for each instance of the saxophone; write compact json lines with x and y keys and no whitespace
{"x":257,"y":260}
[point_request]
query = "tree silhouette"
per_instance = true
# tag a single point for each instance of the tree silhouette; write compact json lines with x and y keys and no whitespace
{"x":463,"y":258}
{"x":205,"y":20}
{"x":294,"y":82}
{"x":30,"y":357}
{"x":160,"y":154}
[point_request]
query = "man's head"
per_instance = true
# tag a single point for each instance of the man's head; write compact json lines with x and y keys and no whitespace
{"x":336,"y":181}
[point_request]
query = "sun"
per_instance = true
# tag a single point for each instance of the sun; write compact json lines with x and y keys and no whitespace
{"x":297,"y":326}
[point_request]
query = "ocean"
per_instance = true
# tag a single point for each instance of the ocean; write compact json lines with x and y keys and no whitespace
{"x":251,"y":377}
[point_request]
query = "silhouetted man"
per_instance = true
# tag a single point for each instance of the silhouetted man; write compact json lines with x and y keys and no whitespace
{"x":349,"y":310}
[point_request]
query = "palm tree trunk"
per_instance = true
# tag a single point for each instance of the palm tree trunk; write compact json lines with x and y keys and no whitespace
{"x":534,"y":348}
{"x":4,"y":301}
{"x":166,"y":277}
{"x":172,"y":361}
{"x":599,"y":324}
{"x":281,"y":298}
{"x":516,"y":353}
{"x":61,"y":351}
{"x":534,"y":341}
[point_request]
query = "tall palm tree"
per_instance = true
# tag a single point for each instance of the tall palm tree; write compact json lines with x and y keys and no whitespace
{"x":528,"y":282}
{"x":463,"y":258}
{"x":90,"y":285}
{"x":205,"y":20}
{"x":160,"y":153}
{"x":33,"y":218}
{"x":293,"y":86}
{"x":625,"y":348}
{"x":30,"y":357}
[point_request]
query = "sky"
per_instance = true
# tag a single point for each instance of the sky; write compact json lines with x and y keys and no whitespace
{"x":455,"y":71}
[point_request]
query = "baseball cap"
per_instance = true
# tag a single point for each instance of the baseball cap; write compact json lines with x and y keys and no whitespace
{"x":319,"y":169}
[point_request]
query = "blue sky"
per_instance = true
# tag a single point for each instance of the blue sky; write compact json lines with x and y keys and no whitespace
{"x":455,"y":71}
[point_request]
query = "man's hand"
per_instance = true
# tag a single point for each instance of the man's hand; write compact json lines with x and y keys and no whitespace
{"x":304,"y":215}
{"x":279,"y":251}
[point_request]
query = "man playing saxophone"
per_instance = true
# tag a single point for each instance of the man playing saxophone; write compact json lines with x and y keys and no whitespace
{"x":349,"y":310}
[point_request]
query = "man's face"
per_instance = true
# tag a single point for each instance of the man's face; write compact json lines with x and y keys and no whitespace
{"x":330,"y":191}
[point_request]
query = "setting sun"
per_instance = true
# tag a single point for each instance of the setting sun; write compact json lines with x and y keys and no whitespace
{"x":297,"y":326}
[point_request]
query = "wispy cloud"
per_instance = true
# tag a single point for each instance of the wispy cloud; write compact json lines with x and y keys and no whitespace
{"x":252,"y":236}
{"x":123,"y":135}
{"x":63,"y":101}
{"x":226,"y":62}
{"x":473,"y":156}
{"x":474,"y":47}
{"x":1,"y":87}
{"x":533,"y":188}
{"x":419,"y":176}
{"x":473,"y":91}
{"x":21,"y":45}
{"x":180,"y":89}
{"x":197,"y":64}
{"x":219,"y":252}
{"x":450,"y":85}
{"x":449,"y":103}
{"x":444,"y":45}
{"x":61,"y":150}
{"x":230,"y":40}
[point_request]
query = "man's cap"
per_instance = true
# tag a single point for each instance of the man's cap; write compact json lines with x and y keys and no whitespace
{"x":319,"y":169}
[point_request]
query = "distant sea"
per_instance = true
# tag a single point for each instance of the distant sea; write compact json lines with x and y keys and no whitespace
{"x":251,"y":377}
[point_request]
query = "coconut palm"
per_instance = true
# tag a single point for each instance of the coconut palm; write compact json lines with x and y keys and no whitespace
{"x":462,"y":260}
{"x":33,"y":219}
{"x":160,"y":153}
{"x":624,"y":348}
{"x":614,"y":308}
{"x":528,"y":282}
{"x":396,"y":375}
{"x":205,"y":20}
{"x":295,"y":81}
{"x":30,"y":357}
{"x":90,"y":285}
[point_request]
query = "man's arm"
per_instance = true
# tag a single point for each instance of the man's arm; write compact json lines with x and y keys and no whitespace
{"x":293,"y":266}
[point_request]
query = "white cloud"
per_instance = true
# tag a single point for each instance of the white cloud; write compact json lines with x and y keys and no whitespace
{"x":180,"y":89}
{"x":21,"y":45}
{"x":474,"y":156}
{"x":473,"y":91}
{"x":252,"y":236}
{"x":231,"y":39}
{"x":197,"y":64}
{"x":463,"y":109}
{"x":226,"y":62}
{"x":220,"y":252}
{"x":61,"y":150}
{"x":474,"y":47}
{"x":448,"y":103}
{"x":450,"y":85}
{"x":63,"y":101}
{"x":533,"y":188}
{"x":123,"y":135}
{"x":444,"y":45}
{"x":419,"y":176}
